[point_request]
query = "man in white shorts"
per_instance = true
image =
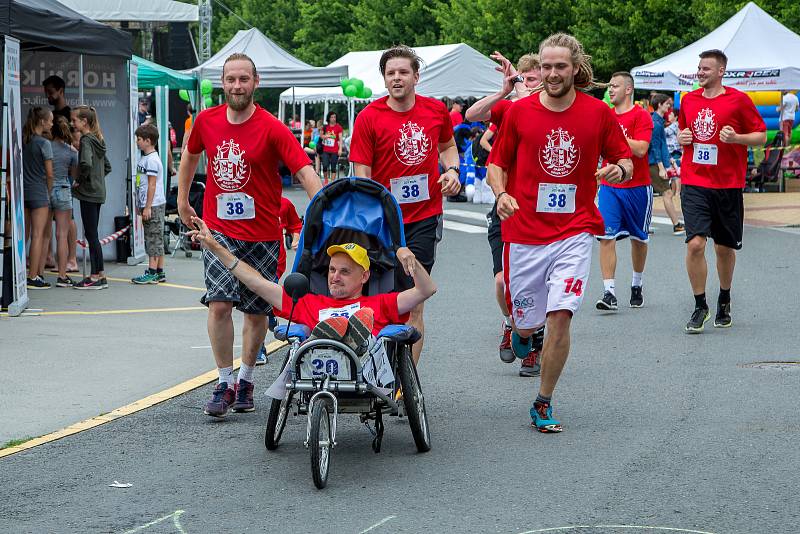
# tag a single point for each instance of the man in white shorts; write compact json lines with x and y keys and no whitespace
{"x":544,"y":174}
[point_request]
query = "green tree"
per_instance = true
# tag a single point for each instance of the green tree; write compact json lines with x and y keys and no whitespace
{"x":383,"y":23}
{"x":322,"y":30}
{"x":512,"y":28}
{"x":274,"y":18}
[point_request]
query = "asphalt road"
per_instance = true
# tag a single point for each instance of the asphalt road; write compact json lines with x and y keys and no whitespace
{"x":661,"y":429}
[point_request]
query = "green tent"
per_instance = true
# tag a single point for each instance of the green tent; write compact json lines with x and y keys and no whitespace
{"x":152,"y":75}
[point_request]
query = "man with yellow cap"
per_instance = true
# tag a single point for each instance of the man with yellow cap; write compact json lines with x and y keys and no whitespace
{"x":347,"y":274}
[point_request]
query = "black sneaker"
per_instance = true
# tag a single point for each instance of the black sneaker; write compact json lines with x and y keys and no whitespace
{"x":678,"y":229}
{"x":723,"y":318}
{"x":608,"y":302}
{"x":637,"y":301}
{"x":104,"y":282}
{"x":698,"y":320}
{"x":37,"y":283}
{"x":64,"y":282}
{"x":88,"y":283}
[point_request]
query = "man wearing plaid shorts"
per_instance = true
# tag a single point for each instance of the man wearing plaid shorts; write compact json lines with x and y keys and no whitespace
{"x":244,"y":145}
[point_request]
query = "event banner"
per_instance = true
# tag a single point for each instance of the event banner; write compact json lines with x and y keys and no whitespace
{"x":12,"y":157}
{"x":137,"y":229}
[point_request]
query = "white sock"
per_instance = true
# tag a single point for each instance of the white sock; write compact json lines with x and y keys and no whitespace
{"x":245,"y":373}
{"x":637,"y":279}
{"x":226,"y":375}
{"x":507,"y":319}
{"x":608,"y":285}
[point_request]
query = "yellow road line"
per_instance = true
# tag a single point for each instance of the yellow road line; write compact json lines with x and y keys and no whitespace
{"x":131,"y":408}
{"x":165,"y":284}
{"x":117,"y":312}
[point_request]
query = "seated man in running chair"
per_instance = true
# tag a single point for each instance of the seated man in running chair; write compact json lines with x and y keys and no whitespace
{"x":347,"y":315}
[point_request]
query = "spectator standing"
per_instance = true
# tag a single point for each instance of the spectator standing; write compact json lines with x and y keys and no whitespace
{"x":65,"y":170}
{"x":90,"y":189}
{"x":54,"y":87}
{"x":37,"y":165}
{"x":141,"y":116}
{"x":788,"y":108}
{"x":455,"y":112}
{"x":151,"y":203}
{"x":659,"y":160}
{"x":331,"y":147}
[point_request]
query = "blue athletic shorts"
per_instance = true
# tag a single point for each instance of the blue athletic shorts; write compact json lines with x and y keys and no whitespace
{"x":626,"y":211}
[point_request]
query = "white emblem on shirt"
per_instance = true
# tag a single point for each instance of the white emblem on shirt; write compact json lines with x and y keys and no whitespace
{"x":413,"y":145}
{"x":231,"y":171}
{"x":705,"y":125}
{"x":560,"y":156}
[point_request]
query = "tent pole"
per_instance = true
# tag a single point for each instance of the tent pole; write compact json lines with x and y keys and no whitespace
{"x":325,"y":113}
{"x":291,"y":119}
{"x":302,"y":118}
{"x":80,"y":79}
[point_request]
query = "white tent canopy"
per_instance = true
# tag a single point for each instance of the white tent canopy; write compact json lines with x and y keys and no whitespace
{"x":125,"y":10}
{"x":454,"y":70}
{"x":762,"y":56}
{"x":276,"y":67}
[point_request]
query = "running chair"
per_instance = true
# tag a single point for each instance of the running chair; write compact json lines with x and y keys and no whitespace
{"x":769,"y":170}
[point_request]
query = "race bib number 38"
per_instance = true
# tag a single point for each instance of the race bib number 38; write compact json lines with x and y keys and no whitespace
{"x":235,"y":206}
{"x":410,"y":189}
{"x":556,"y":198}
{"x":704,"y":154}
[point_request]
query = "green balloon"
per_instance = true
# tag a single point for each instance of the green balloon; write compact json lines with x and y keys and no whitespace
{"x":206,"y":87}
{"x":184,"y":94}
{"x":208,"y":101}
{"x":607,"y":99}
{"x":365,"y":93}
{"x":312,"y":145}
{"x":358,"y":84}
{"x":344,"y":83}
{"x":695,"y":85}
{"x":350,"y":91}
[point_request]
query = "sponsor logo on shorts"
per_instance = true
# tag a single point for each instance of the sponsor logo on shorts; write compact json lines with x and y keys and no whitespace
{"x":525,"y":302}
{"x":559,"y":156}
{"x":705,"y":125}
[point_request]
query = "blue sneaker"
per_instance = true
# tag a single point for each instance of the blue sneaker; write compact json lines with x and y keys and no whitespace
{"x":261,"y":359}
{"x":520,"y":349}
{"x":542,"y":418}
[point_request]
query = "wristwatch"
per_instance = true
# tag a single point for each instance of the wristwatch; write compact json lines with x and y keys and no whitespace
{"x":518,"y":79}
{"x":454,"y":168}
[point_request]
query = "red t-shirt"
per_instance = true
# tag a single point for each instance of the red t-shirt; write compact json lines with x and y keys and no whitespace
{"x":402,"y":150}
{"x":331,"y":145}
{"x":551,"y":159}
{"x":636,"y":124}
{"x":312,"y":309}
{"x":456,"y":118}
{"x":498,"y":111}
{"x":243,"y":160}
{"x":291,"y":223}
{"x":706,"y":117}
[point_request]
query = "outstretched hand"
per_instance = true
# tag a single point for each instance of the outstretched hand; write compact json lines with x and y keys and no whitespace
{"x":202,"y":234}
{"x":407,"y":259}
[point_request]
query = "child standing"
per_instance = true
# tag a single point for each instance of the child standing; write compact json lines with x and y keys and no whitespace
{"x":151,"y":202}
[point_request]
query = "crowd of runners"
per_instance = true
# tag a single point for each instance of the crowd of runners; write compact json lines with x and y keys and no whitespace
{"x":566,"y":169}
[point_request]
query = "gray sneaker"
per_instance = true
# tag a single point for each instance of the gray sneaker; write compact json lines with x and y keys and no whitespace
{"x":608,"y":302}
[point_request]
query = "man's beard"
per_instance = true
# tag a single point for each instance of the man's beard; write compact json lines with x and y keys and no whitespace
{"x":566,"y":86}
{"x":238,"y":102}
